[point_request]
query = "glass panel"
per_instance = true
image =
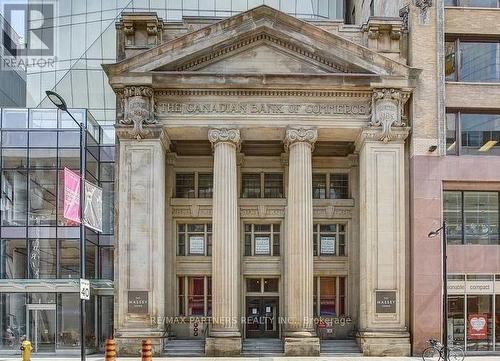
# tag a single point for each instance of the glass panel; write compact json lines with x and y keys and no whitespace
{"x":480,"y":62}
{"x":196,"y":299}
{"x":253,"y":285}
{"x":209,"y":296}
{"x":478,"y":3}
{"x":479,"y":323}
{"x":319,"y":186}
{"x":13,"y":258}
{"x":90,"y":260}
{"x":69,"y":158}
{"x":69,"y":259}
{"x":276,"y":244}
{"x":327,"y":291}
{"x":480,"y":134}
{"x":451,"y":134}
{"x":248,"y":244}
{"x":271,"y":285}
{"x":14,"y":139}
{"x":42,"y":139}
{"x":181,"y":296}
{"x":106,"y":310}
{"x":69,"y":139}
{"x":481,"y":217}
{"x":339,"y":186}
{"x":12,"y":320}
{"x":342,"y":295}
{"x":14,"y":158}
{"x":273,"y":185}
{"x":68,"y":321}
{"x":14,"y":201}
{"x":450,"y":61}
{"x":106,"y":263}
{"x":205,"y":185}
{"x":43,"y":118}
{"x":15,"y":118}
{"x":184,"y":185}
{"x":456,"y":320}
{"x":42,"y":258}
{"x":42,"y":197}
{"x":452,"y":209}
{"x":43,"y":158}
{"x":250,"y":185}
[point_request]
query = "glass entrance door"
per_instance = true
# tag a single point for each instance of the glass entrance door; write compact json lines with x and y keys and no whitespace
{"x":41,"y":321}
{"x":262,"y":317}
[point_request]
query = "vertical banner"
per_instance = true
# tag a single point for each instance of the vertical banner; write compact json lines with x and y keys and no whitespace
{"x":71,"y":196}
{"x":92,"y":214}
{"x":478,"y":326}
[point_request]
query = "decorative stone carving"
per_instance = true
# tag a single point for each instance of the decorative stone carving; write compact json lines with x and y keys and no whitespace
{"x":225,"y":135}
{"x":387,"y":112}
{"x":295,"y":135}
{"x":424,"y":6}
{"x":138,"y":105}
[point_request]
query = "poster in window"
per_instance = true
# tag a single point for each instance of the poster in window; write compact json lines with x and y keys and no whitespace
{"x":197,"y":245}
{"x":327,"y":245}
{"x":262,"y":245}
{"x":478,"y":326}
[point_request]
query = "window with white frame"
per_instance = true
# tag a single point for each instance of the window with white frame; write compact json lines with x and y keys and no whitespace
{"x":262,"y":239}
{"x":329,"y":239}
{"x":194,"y":295}
{"x":194,"y":239}
{"x":331,"y":293}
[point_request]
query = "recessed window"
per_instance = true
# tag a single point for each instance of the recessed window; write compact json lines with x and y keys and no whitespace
{"x":194,"y":239}
{"x":194,"y":296}
{"x":262,"y":285}
{"x":262,"y":239}
{"x":329,"y":239}
{"x":331,"y":293}
{"x":472,"y":61}
{"x":472,"y":134}
{"x":473,"y":3}
{"x":472,"y":217}
{"x":262,"y":185}
{"x":194,"y":185}
{"x":330,"y":185}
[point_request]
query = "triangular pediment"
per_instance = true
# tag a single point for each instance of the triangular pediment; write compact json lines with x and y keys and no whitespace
{"x":265,"y":41}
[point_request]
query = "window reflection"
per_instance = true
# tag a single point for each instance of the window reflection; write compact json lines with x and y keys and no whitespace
{"x":14,"y":205}
{"x":470,"y":61}
{"x":479,"y":323}
{"x":13,"y":258}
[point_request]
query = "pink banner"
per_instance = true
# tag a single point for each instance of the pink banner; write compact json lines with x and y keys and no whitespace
{"x":71,"y":196}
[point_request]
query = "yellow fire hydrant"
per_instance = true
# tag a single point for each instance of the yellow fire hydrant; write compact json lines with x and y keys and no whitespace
{"x":26,"y":349}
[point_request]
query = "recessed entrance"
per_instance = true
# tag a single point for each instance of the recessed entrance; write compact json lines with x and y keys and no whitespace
{"x":41,"y":321}
{"x":262,"y":317}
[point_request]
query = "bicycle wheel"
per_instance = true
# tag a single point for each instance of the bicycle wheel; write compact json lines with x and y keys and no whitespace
{"x":430,"y":354}
{"x":455,"y":353}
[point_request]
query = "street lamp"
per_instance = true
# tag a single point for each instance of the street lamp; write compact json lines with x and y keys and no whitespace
{"x":443,"y":229}
{"x":59,"y":102}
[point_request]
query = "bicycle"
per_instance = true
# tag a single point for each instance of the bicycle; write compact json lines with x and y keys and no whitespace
{"x":436,"y":352}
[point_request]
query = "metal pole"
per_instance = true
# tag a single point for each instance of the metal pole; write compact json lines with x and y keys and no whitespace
{"x":445,"y":293}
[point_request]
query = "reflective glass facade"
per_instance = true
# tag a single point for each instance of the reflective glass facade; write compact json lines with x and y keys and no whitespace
{"x":39,"y":248}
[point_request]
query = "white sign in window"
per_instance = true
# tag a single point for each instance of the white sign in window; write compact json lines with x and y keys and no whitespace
{"x":262,"y":245}
{"x":197,"y":245}
{"x":327,"y":245}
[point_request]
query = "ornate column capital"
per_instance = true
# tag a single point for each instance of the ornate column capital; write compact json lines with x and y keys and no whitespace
{"x":224,"y":135}
{"x":137,"y":103}
{"x":387,"y":111}
{"x":300,"y":135}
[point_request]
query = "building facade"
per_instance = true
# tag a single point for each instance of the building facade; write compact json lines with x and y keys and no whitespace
{"x":39,"y":248}
{"x":262,"y":174}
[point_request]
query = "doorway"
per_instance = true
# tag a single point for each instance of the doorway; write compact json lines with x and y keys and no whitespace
{"x":262,"y":317}
{"x":41,"y":330}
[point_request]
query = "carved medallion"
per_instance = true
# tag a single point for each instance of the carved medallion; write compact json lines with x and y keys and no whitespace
{"x":386,"y":112}
{"x":138,"y":109}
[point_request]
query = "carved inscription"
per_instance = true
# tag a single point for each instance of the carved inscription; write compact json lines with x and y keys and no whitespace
{"x":314,"y":109}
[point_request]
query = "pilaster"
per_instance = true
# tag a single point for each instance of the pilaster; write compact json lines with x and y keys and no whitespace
{"x":225,"y":336}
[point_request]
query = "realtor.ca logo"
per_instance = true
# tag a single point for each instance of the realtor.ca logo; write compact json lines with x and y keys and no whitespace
{"x":28,"y":34}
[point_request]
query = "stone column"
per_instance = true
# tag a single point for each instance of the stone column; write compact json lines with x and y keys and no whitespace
{"x":225,"y":336}
{"x":300,"y":337}
{"x":140,"y":239}
{"x":383,"y":317}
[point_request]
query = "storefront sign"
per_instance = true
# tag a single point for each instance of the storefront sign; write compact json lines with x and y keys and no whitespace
{"x":385,"y":301}
{"x":262,"y":245}
{"x":327,"y":245}
{"x":137,"y":302}
{"x":479,"y":287}
{"x":456,"y":287}
{"x":477,"y":326}
{"x":197,"y":245}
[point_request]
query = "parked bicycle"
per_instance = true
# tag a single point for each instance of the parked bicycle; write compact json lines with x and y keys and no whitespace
{"x":435,"y":352}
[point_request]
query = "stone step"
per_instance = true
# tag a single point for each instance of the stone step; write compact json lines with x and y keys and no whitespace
{"x":340,"y":347}
{"x":262,"y":347}
{"x":185,"y":348}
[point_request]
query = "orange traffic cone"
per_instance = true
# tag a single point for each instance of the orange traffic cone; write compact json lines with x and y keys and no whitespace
{"x":147,"y":350}
{"x":110,"y":350}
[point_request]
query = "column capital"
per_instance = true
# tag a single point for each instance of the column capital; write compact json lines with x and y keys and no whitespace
{"x":300,"y":135}
{"x":224,"y":135}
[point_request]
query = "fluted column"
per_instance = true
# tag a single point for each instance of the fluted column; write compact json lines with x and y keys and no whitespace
{"x":298,"y":246}
{"x":225,"y":254}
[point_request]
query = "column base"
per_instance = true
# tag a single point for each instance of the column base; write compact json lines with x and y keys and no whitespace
{"x":384,"y":343}
{"x":128,"y":342}
{"x":302,"y":346}
{"x":222,"y":346}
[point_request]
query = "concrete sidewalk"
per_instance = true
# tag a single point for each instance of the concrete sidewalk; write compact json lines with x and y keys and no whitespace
{"x":336,"y":358}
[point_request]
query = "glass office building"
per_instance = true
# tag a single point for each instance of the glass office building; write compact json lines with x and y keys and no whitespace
{"x":39,"y":248}
{"x":86,"y":34}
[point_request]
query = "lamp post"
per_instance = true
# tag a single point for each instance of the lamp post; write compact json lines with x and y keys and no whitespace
{"x":443,"y":229}
{"x":59,"y":102}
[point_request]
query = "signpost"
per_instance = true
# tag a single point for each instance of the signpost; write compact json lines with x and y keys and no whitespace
{"x":84,"y":289}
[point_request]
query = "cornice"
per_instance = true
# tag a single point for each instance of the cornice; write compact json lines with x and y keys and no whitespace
{"x":264,"y":93}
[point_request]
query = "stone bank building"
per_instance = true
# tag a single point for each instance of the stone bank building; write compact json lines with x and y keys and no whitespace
{"x":273,"y":178}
